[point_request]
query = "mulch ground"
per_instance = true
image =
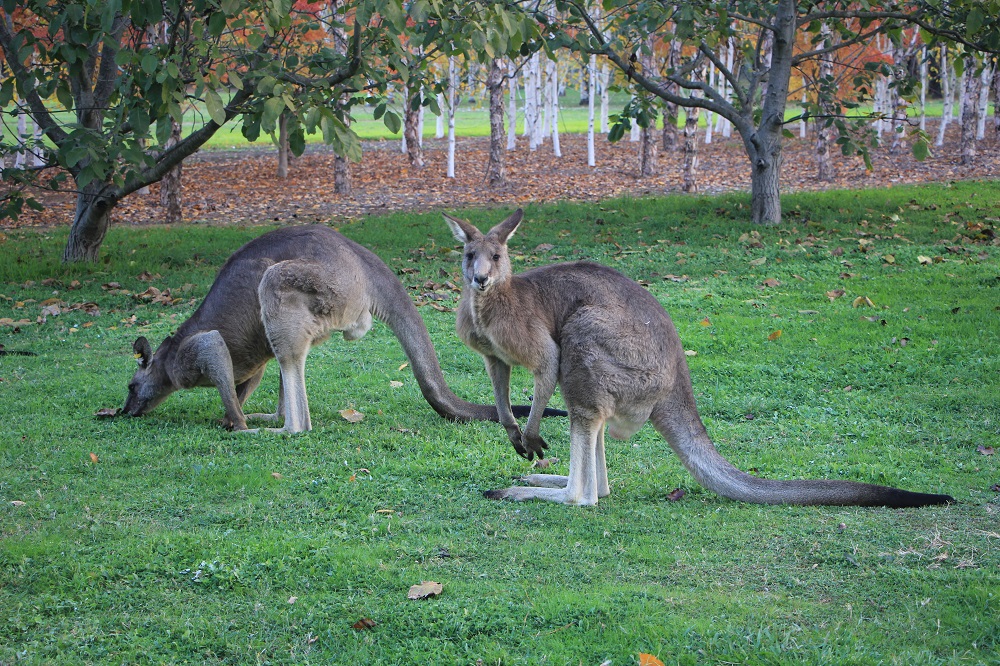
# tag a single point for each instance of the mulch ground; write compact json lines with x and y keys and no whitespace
{"x":240,"y":186}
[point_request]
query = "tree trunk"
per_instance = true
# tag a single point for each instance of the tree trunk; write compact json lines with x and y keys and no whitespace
{"x":496,"y":169}
{"x":552,"y":85}
{"x":411,"y":123}
{"x":825,"y":133}
{"x":90,"y":223}
{"x":984,"y":101}
{"x":970,"y":112}
{"x":452,"y":104}
{"x":899,"y":69}
{"x":511,"y":109}
{"x":170,"y":185}
{"x":670,"y":138}
{"x":605,"y":97}
{"x":283,"y":146}
{"x":690,"y":150}
{"x":996,"y":99}
{"x":592,"y":86}
{"x":947,"y":94}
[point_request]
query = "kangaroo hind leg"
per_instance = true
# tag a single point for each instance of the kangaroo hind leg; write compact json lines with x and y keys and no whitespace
{"x":581,"y":487}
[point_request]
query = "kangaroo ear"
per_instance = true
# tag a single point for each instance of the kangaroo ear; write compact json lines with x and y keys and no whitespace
{"x":462,"y":230}
{"x":505,"y":229}
{"x":143,"y":353}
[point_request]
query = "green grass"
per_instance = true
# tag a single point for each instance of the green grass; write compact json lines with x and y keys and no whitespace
{"x":180,"y":545}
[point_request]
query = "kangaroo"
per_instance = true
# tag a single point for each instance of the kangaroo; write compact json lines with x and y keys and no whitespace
{"x":276,"y":297}
{"x":614,"y":350}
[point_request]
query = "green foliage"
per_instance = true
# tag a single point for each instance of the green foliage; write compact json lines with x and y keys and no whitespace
{"x":180,"y":545}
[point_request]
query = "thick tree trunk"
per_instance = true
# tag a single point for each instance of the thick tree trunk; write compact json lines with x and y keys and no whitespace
{"x":452,"y":108}
{"x":825,"y":132}
{"x":170,"y":185}
{"x":341,"y":175}
{"x":592,"y":85}
{"x":90,"y":223}
{"x":900,"y":56}
{"x":496,"y":169}
{"x":970,"y":112}
{"x":690,"y":150}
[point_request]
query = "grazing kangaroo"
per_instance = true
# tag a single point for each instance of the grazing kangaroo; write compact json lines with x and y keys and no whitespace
{"x":613,"y":349}
{"x":276,"y":297}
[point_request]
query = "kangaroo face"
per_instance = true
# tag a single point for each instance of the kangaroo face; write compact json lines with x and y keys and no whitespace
{"x":486,"y":262}
{"x":149,"y":386}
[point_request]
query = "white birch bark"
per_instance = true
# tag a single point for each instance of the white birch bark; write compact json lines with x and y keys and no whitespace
{"x":923,"y":89}
{"x":554,"y":106}
{"x":984,"y":101}
{"x":727,"y":126}
{"x":452,"y":94}
{"x":592,"y":80}
{"x":947,"y":94}
{"x":708,"y":114}
{"x":439,"y":123}
{"x":802,"y":121}
{"x":511,"y":108}
{"x":604,"y":82}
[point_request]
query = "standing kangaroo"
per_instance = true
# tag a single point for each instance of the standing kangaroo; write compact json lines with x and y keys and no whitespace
{"x":276,"y":297}
{"x":613,"y":349}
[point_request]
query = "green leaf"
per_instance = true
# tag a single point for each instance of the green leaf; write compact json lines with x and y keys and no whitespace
{"x":273,"y":107}
{"x":235,"y":80}
{"x":216,"y":109}
{"x":392,"y":121}
{"x":149,"y":63}
{"x":974,"y":22}
{"x":921,"y":150}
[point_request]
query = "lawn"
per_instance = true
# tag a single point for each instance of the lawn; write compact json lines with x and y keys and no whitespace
{"x":166,"y":539}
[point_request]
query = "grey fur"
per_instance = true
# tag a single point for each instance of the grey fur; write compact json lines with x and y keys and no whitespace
{"x":614,"y":351}
{"x":276,"y":297}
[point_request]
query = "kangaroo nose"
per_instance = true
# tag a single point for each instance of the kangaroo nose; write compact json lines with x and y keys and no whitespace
{"x":481,"y":279}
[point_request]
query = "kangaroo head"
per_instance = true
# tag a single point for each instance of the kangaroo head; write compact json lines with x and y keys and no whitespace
{"x":486,"y":262}
{"x":150,"y":384}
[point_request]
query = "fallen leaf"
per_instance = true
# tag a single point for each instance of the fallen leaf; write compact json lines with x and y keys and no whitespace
{"x":352,"y":415}
{"x":424,"y":590}
{"x":107,"y":412}
{"x":834,"y":294}
{"x":771,"y":282}
{"x":292,"y":599}
{"x":544,"y":247}
{"x":758,"y":262}
{"x":353,"y":477}
{"x":544,"y":463}
{"x":985,"y":450}
{"x":364,"y":623}
{"x":808,"y":312}
{"x":690,"y":352}
{"x":385,"y":511}
{"x":706,"y":322}
{"x":276,"y":475}
{"x":395,"y":384}
{"x":93,"y":457}
{"x":888,"y":258}
{"x":774,"y":335}
{"x":837,"y":251}
{"x":676,"y":494}
{"x":17,"y":503}
{"x":403,"y":367}
{"x":648,"y":660}
{"x":926,"y":261}
{"x":862,"y":301}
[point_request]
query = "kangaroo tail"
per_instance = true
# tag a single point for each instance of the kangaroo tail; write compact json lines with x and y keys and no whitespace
{"x":681,"y":426}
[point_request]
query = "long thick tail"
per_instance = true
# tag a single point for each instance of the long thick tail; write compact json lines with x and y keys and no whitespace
{"x":394,"y":307}
{"x":681,"y":426}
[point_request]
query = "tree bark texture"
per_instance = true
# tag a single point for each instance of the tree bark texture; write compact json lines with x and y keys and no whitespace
{"x":496,"y":169}
{"x":690,"y":150}
{"x":170,"y":185}
{"x":970,"y":112}
{"x":411,"y":124}
{"x":670,"y":116}
{"x":90,"y":223}
{"x":283,"y":146}
{"x":825,"y":132}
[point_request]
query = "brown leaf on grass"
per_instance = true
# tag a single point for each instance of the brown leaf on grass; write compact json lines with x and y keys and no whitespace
{"x":425,"y":590}
{"x":676,"y":278}
{"x":276,"y":475}
{"x":352,"y":415}
{"x":93,"y":457}
{"x":771,"y":282}
{"x":834,"y":294}
{"x":925,"y":261}
{"x":837,"y":252}
{"x":17,"y":503}
{"x":774,"y":335}
{"x":758,"y":262}
{"x":544,"y":463}
{"x":985,"y":450}
{"x":107,"y":412}
{"x":363,"y":624}
{"x":676,"y":494}
{"x":648,"y":660}
{"x":544,"y":247}
{"x":888,"y":258}
{"x":705,"y":322}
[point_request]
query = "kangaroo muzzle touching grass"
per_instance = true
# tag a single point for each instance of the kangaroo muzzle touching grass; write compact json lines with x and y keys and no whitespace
{"x":614,"y":351}
{"x":276,"y":297}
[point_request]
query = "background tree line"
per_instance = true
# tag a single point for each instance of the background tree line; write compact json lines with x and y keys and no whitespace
{"x":108,"y":85}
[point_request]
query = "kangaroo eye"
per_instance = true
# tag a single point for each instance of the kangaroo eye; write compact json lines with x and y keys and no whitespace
{"x":470,"y":256}
{"x":496,"y":257}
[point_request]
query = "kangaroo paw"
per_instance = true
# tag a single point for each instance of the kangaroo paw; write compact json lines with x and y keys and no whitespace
{"x":534,"y":445}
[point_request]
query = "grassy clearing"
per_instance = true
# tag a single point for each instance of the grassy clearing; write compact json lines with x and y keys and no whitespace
{"x":181,"y":545}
